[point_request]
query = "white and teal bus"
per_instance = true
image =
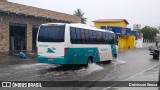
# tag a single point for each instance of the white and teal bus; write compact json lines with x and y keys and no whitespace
{"x":60,"y":43}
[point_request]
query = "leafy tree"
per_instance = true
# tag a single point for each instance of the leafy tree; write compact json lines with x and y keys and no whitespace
{"x":80,"y":14}
{"x":149,"y":32}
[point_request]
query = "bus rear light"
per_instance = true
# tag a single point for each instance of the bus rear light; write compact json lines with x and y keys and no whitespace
{"x":65,"y":51}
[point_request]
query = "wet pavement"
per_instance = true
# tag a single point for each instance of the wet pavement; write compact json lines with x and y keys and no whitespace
{"x":148,"y":75}
{"x":129,"y":64}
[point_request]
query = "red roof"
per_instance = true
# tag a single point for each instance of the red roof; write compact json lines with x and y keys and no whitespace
{"x":111,"y":20}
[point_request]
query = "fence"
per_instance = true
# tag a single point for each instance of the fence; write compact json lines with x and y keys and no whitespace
{"x":147,"y":43}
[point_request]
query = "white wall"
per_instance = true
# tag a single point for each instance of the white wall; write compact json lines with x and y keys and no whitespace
{"x":148,"y":43}
{"x":139,"y":43}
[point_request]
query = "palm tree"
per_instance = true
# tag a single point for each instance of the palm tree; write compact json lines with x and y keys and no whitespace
{"x":80,"y":14}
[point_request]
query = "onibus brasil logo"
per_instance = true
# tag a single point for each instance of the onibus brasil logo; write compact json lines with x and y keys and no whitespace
{"x":21,"y":84}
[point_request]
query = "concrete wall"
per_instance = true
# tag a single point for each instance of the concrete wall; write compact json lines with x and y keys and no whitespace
{"x":4,"y":33}
{"x":139,"y":43}
{"x":6,"y":18}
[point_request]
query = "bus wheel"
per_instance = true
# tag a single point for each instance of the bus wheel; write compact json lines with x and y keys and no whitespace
{"x":109,"y":61}
{"x":89,"y":61}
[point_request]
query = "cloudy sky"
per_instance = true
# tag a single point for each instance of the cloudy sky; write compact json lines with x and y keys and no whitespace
{"x":144,"y":12}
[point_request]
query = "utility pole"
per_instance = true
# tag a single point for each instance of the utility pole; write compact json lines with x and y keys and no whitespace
{"x":157,"y":41}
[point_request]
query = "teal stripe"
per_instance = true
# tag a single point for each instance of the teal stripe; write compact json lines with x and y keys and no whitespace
{"x":114,"y":51}
{"x":73,"y":56}
{"x":80,"y":55}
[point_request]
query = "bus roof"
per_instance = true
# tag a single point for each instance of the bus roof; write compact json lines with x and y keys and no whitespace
{"x":78,"y":25}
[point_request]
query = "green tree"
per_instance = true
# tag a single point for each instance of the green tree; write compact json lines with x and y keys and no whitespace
{"x":80,"y":14}
{"x":149,"y":32}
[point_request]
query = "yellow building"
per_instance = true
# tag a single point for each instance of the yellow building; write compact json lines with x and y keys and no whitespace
{"x":124,"y":41}
{"x":111,"y":22}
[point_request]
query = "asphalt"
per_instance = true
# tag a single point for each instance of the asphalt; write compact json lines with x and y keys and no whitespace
{"x":149,"y":75}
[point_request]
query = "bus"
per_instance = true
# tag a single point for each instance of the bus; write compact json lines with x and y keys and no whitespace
{"x":73,"y":44}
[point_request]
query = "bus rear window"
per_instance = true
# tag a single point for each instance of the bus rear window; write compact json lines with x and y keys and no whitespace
{"x":51,"y":34}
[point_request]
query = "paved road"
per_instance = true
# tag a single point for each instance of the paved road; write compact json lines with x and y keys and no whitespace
{"x":128,"y":63}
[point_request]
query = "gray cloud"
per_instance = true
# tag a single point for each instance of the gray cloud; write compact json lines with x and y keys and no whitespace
{"x":145,"y":12}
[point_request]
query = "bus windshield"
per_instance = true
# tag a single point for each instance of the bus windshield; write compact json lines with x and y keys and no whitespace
{"x":51,"y":34}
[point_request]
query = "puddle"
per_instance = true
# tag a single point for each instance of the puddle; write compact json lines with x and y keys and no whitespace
{"x":80,"y":72}
{"x":56,"y":71}
{"x":94,"y":67}
{"x":119,"y":61}
{"x":91,"y":68}
{"x":34,"y":66}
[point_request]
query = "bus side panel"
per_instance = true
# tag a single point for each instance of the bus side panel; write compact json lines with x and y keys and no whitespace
{"x":105,"y":52}
{"x":80,"y":55}
{"x":58,"y":60}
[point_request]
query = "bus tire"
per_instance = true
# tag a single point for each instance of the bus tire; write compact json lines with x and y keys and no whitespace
{"x":89,"y":61}
{"x":109,"y":61}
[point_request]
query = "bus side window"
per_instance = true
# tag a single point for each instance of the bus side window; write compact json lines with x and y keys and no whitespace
{"x":73,"y":35}
{"x":79,"y":37}
{"x":83,"y":36}
{"x":97,"y":38}
{"x":111,"y":39}
{"x":107,"y":37}
{"x":104,"y":38}
{"x":100,"y":38}
{"x":94,"y":37}
{"x":91,"y":37}
{"x":82,"y":31}
{"x":86,"y":36}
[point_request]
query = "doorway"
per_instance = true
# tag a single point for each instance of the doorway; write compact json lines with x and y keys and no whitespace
{"x":17,"y":36}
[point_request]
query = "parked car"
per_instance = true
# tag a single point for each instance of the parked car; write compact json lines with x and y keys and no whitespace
{"x":154,"y":51}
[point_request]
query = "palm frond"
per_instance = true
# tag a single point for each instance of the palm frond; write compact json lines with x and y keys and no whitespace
{"x":80,"y":14}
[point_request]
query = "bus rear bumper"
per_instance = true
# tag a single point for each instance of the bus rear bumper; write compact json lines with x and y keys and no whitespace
{"x":58,"y":60}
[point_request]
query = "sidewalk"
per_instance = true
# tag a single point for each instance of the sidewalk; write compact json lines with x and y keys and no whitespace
{"x":13,"y":59}
{"x":124,"y":50}
{"x":148,"y":75}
